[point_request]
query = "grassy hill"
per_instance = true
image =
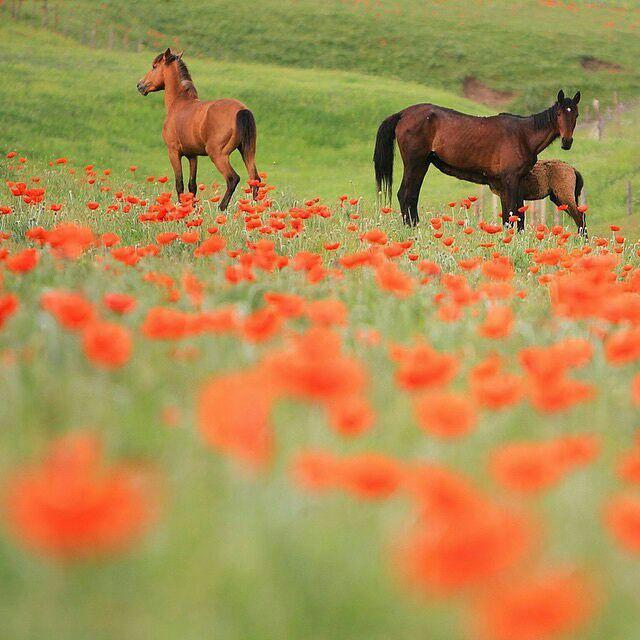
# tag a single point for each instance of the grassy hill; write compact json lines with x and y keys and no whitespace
{"x":316,"y":127}
{"x":522,"y":47}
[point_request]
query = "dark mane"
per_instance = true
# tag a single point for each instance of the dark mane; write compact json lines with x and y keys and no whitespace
{"x":185,"y":79}
{"x":540,"y":120}
{"x":544,"y":119}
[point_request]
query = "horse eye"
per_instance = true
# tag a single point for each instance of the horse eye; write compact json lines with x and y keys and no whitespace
{"x":568,"y":108}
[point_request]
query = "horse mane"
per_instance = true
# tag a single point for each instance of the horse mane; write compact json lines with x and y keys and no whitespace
{"x":185,"y":79}
{"x":544,"y":119}
{"x":541,"y":120}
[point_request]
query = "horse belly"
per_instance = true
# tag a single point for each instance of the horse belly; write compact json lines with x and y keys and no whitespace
{"x":467,"y":151}
{"x":187,"y":128}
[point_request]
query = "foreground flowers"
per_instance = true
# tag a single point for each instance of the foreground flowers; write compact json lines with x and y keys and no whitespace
{"x":71,"y":505}
{"x":467,"y":377}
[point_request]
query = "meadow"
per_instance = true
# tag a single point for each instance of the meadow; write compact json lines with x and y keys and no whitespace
{"x":301,"y":419}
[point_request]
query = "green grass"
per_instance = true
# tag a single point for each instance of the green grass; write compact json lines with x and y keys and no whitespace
{"x":522,"y":46}
{"x":316,"y":127}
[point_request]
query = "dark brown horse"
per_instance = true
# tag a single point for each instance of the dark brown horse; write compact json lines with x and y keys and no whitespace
{"x":195,"y":128}
{"x":498,"y":150}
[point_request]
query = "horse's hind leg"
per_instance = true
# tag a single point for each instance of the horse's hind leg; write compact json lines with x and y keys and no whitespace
{"x":409,"y":192}
{"x":231,"y":177}
{"x":252,"y":170}
{"x":193,"y":171}
{"x":572,"y":209}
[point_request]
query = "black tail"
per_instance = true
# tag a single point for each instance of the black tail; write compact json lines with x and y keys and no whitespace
{"x":246,"y":124}
{"x":579,"y":185}
{"x":383,"y":154}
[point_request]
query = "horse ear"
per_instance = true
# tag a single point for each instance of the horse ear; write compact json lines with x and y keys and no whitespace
{"x":560,"y":96}
{"x":179,"y":55}
{"x":167,"y":54}
{"x":576,"y":98}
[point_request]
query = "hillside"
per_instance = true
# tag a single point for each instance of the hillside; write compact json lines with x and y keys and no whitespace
{"x":522,"y":48}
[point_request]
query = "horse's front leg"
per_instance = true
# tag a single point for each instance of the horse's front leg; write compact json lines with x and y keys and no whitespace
{"x":193,"y":171}
{"x":512,"y":201}
{"x":176,"y":164}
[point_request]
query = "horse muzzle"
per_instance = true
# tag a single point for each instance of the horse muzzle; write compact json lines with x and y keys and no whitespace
{"x":143,"y":88}
{"x":567,"y":143}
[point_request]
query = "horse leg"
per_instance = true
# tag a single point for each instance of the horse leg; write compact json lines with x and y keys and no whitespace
{"x":252,"y":170}
{"x":512,"y":201}
{"x":176,"y":163}
{"x":232,"y":178}
{"x":193,"y":170}
{"x":572,"y":209}
{"x":409,"y":192}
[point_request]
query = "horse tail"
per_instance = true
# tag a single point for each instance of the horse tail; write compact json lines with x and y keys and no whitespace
{"x":383,"y":154}
{"x":579,"y":185}
{"x":246,"y":126}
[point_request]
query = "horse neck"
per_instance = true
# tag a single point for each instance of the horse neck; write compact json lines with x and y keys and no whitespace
{"x":173,"y":89}
{"x":540,"y":138}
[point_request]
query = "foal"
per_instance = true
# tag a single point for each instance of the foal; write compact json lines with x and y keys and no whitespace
{"x":558,"y":181}
{"x":195,"y":128}
{"x":498,"y":150}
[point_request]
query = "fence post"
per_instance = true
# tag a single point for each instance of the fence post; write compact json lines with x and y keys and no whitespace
{"x":44,"y":19}
{"x":629,"y":199}
{"x":543,"y":212}
{"x":598,"y":115}
{"x":495,"y":205}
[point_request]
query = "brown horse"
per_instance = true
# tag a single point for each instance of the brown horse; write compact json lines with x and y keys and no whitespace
{"x":194,"y":128}
{"x":498,"y":150}
{"x":558,"y":181}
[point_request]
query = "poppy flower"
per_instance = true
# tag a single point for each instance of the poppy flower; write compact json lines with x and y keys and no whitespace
{"x":422,"y":367}
{"x":498,"y":323}
{"x":622,"y":518}
{"x":119,"y":303}
{"x":8,"y":306}
{"x":72,"y":310}
{"x":72,"y":505}
{"x":351,"y":415}
{"x":107,"y":345}
{"x":233,"y":416}
{"x":445,"y":414}
{"x":370,"y":476}
{"x":623,"y":346}
{"x":261,"y":325}
{"x":444,"y":558}
{"x":23,"y":261}
{"x":313,"y":366}
{"x":287,"y":305}
{"x":544,"y":606}
{"x":390,"y":278}
{"x":327,"y":312}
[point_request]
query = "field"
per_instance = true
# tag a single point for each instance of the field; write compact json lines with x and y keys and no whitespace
{"x":300,"y":419}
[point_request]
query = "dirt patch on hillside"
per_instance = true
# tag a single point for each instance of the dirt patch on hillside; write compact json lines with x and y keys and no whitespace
{"x":594,"y":64}
{"x":475,"y":90}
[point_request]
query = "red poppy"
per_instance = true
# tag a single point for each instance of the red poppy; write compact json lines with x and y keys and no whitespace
{"x":107,"y":345}
{"x":71,"y":505}
{"x":545,"y":606}
{"x":445,"y":413}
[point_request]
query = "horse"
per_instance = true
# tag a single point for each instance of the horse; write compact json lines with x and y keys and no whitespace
{"x":497,"y":150}
{"x":195,"y":128}
{"x":558,"y":181}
